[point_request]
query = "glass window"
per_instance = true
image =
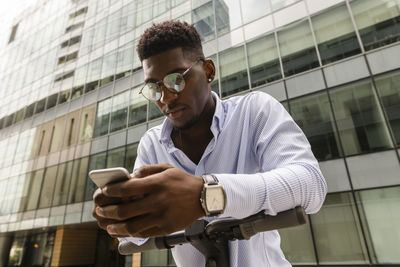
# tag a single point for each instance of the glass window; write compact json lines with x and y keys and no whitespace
{"x":49,"y":181}
{"x":143,"y":11}
{"x":154,"y":111}
{"x":113,"y":25}
{"x":78,"y":180}
{"x":313,"y":115}
{"x":233,"y":71}
{"x":297,"y":49}
{"x":263,"y":61}
{"x":94,"y":71}
{"x":337,"y":232}
{"x":86,"y":123}
{"x":62,"y":184}
{"x":203,"y":20}
{"x":131,"y":153}
{"x":119,"y":111}
{"x":335,"y":35}
{"x":389,"y":92}
{"x":297,"y":244}
{"x":108,"y":69}
{"x":102,"y":117}
{"x":160,"y":7}
{"x":34,"y":190}
{"x":137,"y":107}
{"x":116,"y":157}
{"x":99,"y":34}
{"x":25,"y":191}
{"x":154,"y":258}
{"x":97,"y":161}
{"x":278,"y":4}
{"x":128,"y":17}
{"x":381,"y":209}
{"x":360,"y":121}
{"x":227,"y":15}
{"x":253,"y":9}
{"x":378,"y":21}
{"x":125,"y":60}
{"x":86,"y":43}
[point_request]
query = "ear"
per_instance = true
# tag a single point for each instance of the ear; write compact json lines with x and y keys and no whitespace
{"x":209,"y":68}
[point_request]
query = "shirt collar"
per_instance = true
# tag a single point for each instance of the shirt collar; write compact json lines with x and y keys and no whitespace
{"x":216,"y":125}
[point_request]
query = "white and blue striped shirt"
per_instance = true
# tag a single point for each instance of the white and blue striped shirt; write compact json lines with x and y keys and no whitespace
{"x":262,"y":159}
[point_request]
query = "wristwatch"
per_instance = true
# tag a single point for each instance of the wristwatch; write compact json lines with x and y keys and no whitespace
{"x":213,"y":197}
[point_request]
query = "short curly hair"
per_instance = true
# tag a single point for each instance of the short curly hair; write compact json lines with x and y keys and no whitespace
{"x":166,"y":36}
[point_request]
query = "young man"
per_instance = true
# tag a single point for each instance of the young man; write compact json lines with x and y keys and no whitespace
{"x":247,"y":147}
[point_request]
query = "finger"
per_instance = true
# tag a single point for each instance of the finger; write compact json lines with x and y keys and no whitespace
{"x":133,"y":227}
{"x":150,"y":169}
{"x":129,"y":188}
{"x":128,"y":210}
{"x":102,"y":222}
{"x":101,"y":200}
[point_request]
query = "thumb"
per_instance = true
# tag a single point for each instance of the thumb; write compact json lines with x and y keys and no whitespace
{"x":147,"y":170}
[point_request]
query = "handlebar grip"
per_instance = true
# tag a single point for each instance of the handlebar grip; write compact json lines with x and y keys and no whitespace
{"x":127,"y":247}
{"x":289,"y":218}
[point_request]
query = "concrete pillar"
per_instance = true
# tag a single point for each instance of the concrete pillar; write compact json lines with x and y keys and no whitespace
{"x":136,"y":259}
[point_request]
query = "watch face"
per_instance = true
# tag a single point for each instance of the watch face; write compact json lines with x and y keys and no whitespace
{"x":215,"y":199}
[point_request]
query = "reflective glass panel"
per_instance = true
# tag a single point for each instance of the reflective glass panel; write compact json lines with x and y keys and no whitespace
{"x":313,"y":115}
{"x":337,"y":232}
{"x":389,"y":92}
{"x":359,"y":119}
{"x":154,"y":258}
{"x":297,"y":49}
{"x":203,"y":20}
{"x":102,"y":117}
{"x":34,"y":190}
{"x":378,"y":21}
{"x":233,"y":71}
{"x":87,"y":123}
{"x":335,"y":34}
{"x":263,"y":61}
{"x":116,"y":157}
{"x":154,"y":111}
{"x":137,"y":107}
{"x":46,"y":195}
{"x":253,"y":9}
{"x":62,"y":184}
{"x":297,"y":244}
{"x":97,"y":161}
{"x":278,"y":4}
{"x":78,"y":180}
{"x":131,"y":153}
{"x":119,"y":111}
{"x":381,"y":208}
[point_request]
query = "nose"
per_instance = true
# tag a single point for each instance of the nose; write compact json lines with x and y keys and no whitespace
{"x":167,"y":97}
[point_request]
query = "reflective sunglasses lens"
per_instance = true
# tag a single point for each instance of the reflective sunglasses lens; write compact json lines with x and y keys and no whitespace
{"x":152,"y":91}
{"x":174,"y":81}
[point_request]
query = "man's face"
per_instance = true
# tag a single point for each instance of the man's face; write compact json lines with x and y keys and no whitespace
{"x":182,"y":109}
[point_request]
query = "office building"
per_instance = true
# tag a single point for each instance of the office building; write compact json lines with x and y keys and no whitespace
{"x":70,"y":78}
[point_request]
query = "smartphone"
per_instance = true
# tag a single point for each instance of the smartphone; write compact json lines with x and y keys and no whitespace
{"x":103,"y":177}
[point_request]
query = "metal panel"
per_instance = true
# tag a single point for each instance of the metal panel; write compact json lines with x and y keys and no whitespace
{"x":122,"y":84}
{"x":346,"y":71}
{"x":117,"y":140}
{"x":134,"y":134}
{"x":385,"y":59}
{"x":374,"y":170}
{"x":290,"y":14}
{"x":276,"y":90}
{"x":99,"y":145}
{"x":335,"y":175}
{"x":258,"y":27}
{"x":305,"y":84}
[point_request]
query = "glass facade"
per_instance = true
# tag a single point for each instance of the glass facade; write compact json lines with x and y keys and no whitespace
{"x":70,"y":103}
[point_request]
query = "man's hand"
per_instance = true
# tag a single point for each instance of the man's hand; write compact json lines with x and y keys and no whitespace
{"x":169,"y":202}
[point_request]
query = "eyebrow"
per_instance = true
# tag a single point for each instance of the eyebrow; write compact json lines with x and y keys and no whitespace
{"x":170,"y":72}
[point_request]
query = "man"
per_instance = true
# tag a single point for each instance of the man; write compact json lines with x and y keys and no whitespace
{"x":249,"y":146}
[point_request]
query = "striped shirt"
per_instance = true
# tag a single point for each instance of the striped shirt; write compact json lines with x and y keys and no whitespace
{"x":262,"y":159}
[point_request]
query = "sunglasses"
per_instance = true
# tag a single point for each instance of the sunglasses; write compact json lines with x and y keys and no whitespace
{"x":174,"y":82}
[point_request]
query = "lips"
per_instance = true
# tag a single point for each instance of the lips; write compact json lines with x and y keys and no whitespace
{"x":175,"y":113}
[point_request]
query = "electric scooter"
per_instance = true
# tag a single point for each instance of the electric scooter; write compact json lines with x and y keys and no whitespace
{"x":211,"y":238}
